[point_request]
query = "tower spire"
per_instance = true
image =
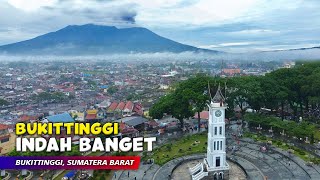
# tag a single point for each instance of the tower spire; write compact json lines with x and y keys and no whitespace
{"x":218,"y":97}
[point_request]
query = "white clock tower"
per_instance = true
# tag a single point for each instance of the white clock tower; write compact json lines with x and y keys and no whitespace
{"x":215,"y":164}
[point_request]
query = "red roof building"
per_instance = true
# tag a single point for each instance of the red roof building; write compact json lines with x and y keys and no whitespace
{"x":231,"y":72}
{"x":152,"y":123}
{"x":27,"y":118}
{"x":69,"y":89}
{"x":203,"y":115}
{"x":128,"y":107}
{"x":112,"y":106}
{"x":120,"y":106}
{"x":91,"y":116}
{"x":3,"y":127}
{"x":138,"y":109}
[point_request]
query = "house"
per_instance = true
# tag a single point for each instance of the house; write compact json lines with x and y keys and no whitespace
{"x":101,"y":114}
{"x":7,"y":139}
{"x":137,"y":109}
{"x":120,"y":107}
{"x":128,"y":108}
{"x":127,"y":131}
{"x":77,"y":116}
{"x":27,"y":118}
{"x":231,"y":72}
{"x":68,"y":91}
{"x":136,"y":122}
{"x":64,"y":118}
{"x":61,"y":118}
{"x":112,"y":107}
{"x":152,"y":124}
{"x":91,"y":115}
{"x":203,"y":115}
{"x":104,"y":104}
{"x":95,"y":115}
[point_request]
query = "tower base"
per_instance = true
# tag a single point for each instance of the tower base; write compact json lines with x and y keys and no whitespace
{"x":200,"y":172}
{"x":218,"y":175}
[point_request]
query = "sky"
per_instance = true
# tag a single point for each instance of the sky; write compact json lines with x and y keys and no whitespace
{"x":225,"y":25}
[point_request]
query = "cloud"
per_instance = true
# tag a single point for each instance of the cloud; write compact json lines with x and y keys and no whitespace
{"x":199,"y":13}
{"x":129,"y":17}
{"x":31,"y":5}
{"x":43,"y":16}
{"x":255,"y":32}
{"x":210,"y":23}
{"x":310,"y":54}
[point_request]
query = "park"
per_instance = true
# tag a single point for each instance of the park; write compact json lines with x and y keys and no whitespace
{"x":272,"y":129}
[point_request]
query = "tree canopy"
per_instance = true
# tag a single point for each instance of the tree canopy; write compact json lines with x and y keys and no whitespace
{"x":293,"y":91}
{"x":3,"y":102}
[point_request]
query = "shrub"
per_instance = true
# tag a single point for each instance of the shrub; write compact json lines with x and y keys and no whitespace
{"x":302,"y":153}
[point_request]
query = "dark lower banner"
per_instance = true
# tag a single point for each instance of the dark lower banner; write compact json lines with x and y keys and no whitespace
{"x":69,"y":162}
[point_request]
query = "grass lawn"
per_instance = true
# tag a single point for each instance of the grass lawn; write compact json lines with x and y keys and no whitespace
{"x":317,"y":135}
{"x":102,"y":174}
{"x":97,"y":153}
{"x":185,"y":146}
{"x":110,"y":175}
{"x":305,"y":155}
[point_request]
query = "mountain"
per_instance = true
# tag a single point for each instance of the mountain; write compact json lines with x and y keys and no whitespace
{"x":93,"y":39}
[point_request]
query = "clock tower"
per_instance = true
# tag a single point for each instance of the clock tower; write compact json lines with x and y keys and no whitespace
{"x":216,"y":150}
{"x":215,"y":164}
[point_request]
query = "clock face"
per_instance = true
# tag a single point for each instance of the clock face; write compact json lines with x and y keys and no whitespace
{"x":218,"y":113}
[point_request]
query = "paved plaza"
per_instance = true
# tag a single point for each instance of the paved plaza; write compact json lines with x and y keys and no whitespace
{"x":182,"y":171}
{"x":274,"y":164}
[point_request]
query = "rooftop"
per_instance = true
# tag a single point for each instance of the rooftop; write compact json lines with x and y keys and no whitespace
{"x":64,"y":117}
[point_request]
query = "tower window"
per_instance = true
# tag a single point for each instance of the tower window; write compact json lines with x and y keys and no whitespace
{"x":214,"y":146}
{"x":215,"y":130}
{"x":217,"y":161}
{"x":217,"y":145}
{"x":220,"y":129}
{"x":221,"y":145}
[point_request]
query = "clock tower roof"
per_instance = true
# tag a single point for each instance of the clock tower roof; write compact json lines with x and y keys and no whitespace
{"x":218,"y":97}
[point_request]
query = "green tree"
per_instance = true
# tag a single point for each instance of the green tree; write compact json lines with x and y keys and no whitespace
{"x":3,"y":102}
{"x":194,"y":92}
{"x":174,"y":104}
{"x":162,"y":106}
{"x":181,"y":108}
{"x":113,"y":89}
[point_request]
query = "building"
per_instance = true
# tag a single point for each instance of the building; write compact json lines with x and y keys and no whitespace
{"x":7,"y":139}
{"x":136,"y":122}
{"x":58,"y":118}
{"x":128,"y":131}
{"x":215,"y":164}
{"x":203,"y":115}
{"x":62,"y":118}
{"x":77,"y":116}
{"x":231,"y":72}
{"x":128,"y":108}
{"x":112,"y":107}
{"x":94,"y":115}
{"x":120,"y":107}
